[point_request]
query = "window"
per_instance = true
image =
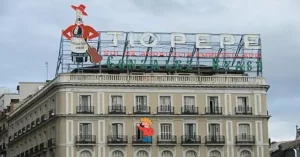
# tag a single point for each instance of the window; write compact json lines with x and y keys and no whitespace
{"x":85,"y":131}
{"x":244,"y":131}
{"x":215,"y":153}
{"x":214,"y":129}
{"x":165,"y":132}
{"x":139,"y":133}
{"x":243,"y":105}
{"x":213,"y":104}
{"x":165,"y":104}
{"x":189,"y":103}
{"x":85,"y":100}
{"x":245,"y":153}
{"x":142,"y":153}
{"x":166,"y":153}
{"x":117,"y":153}
{"x":117,"y":130}
{"x":190,"y":130}
{"x":116,"y":100}
{"x":191,"y":153}
{"x":85,"y":154}
{"x":141,"y":104}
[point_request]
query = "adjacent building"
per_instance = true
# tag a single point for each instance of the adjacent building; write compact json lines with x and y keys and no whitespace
{"x":95,"y":115}
{"x":8,"y":102}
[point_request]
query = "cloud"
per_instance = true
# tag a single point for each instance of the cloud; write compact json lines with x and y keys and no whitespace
{"x":30,"y":36}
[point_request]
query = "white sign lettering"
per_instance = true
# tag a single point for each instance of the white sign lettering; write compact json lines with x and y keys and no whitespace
{"x":202,"y":41}
{"x":78,"y":45}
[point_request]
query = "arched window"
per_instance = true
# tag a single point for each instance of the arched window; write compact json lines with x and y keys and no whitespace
{"x":245,"y":153}
{"x":166,"y":153}
{"x":117,"y":153}
{"x":191,"y":153}
{"x":85,"y":154}
{"x":215,"y":153}
{"x":142,"y":153}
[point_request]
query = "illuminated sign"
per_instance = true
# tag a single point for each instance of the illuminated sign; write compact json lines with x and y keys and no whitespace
{"x":179,"y":65}
{"x":79,"y":33}
{"x":202,"y":41}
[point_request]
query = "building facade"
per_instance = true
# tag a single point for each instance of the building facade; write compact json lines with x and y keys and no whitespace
{"x":8,"y":102}
{"x":95,"y":115}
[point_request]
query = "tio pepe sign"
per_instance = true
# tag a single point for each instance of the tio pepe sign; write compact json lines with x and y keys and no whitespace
{"x":251,"y":41}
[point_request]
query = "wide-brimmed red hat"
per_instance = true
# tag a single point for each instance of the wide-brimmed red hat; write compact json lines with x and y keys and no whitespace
{"x":81,"y":7}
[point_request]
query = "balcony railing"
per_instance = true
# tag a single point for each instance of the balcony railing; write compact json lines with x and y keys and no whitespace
{"x":213,"y":110}
{"x":243,"y":110}
{"x":139,"y":109}
{"x":139,"y":140}
{"x":189,"y":109}
{"x":31,"y":151}
{"x":43,"y":146}
{"x":160,"y":79}
{"x":117,"y":139}
{"x":28,"y":126}
{"x":44,"y":118}
{"x":24,"y":129}
{"x":166,"y":139}
{"x":245,"y":139}
{"x":37,"y":148}
{"x":190,"y":139}
{"x":27,"y":153}
{"x":20,"y":132}
{"x":85,"y":139}
{"x":117,"y":109}
{"x":214,"y":139}
{"x":85,"y":109}
{"x":33,"y":124}
{"x":51,"y":142}
{"x":37,"y":121}
{"x":165,"y":109}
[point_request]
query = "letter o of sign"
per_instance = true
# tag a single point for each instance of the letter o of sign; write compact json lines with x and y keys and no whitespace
{"x":154,"y":39}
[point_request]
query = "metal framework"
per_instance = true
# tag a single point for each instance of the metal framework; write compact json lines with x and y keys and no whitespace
{"x":163,"y":53}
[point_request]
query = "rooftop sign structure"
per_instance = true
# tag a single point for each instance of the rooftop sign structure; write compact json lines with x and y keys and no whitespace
{"x":171,"y":51}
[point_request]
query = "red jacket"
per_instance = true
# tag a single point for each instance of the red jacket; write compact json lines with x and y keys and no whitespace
{"x":88,"y":32}
{"x":146,"y":131}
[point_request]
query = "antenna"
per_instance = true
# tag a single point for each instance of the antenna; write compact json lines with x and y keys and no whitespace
{"x":46,"y":70}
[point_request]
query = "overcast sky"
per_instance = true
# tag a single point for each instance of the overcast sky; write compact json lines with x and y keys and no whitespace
{"x":30,"y":34}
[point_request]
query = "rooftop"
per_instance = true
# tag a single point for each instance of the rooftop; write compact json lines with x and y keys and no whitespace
{"x":150,"y":79}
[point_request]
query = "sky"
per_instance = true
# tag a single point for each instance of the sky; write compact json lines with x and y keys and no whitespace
{"x":31,"y":30}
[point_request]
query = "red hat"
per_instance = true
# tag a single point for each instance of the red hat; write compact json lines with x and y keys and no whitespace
{"x":81,"y":7}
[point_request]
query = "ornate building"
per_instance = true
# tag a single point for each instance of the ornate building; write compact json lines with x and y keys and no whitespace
{"x":96,"y":115}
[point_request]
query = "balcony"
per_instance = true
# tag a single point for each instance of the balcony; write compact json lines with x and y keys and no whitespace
{"x":36,"y":148}
{"x":166,"y":140}
{"x":33,"y":124}
{"x":31,"y":151}
{"x":43,"y":146}
{"x":138,"y":140}
{"x":20,"y":132}
{"x":214,"y":140}
{"x":117,"y":140}
{"x":52,"y":113}
{"x":38,"y":121}
{"x":165,"y":109}
{"x":85,"y":109}
{"x":24,"y":129}
{"x":245,"y":140}
{"x":190,"y":140}
{"x":85,"y":139}
{"x":189,"y":109}
{"x":141,"y":109}
{"x":243,"y":110}
{"x":213,"y":110}
{"x":28,"y":126}
{"x":117,"y":109}
{"x":44,"y":118}
{"x":51,"y":143}
{"x":15,"y":135}
{"x":27,"y":153}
